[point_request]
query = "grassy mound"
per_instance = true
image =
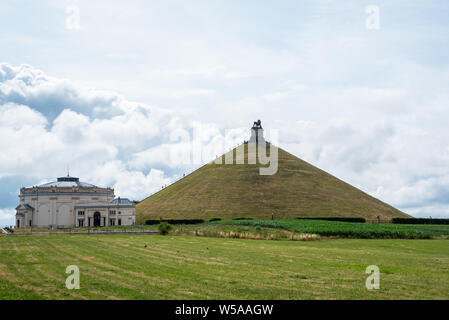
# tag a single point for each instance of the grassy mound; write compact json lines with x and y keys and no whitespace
{"x":298,"y":189}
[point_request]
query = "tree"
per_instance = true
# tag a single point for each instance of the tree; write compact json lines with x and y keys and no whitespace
{"x":164,"y":228}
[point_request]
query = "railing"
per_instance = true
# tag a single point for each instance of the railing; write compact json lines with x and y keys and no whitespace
{"x":379,"y":221}
{"x":132,"y":229}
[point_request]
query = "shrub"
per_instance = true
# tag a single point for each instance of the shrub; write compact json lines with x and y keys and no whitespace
{"x":419,"y":221}
{"x":174,"y":221}
{"x":164,"y":228}
{"x":214,"y":219}
{"x":342,"y":219}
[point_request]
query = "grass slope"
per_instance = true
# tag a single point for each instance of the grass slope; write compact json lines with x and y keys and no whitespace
{"x":298,"y":189}
{"x":157,"y":267}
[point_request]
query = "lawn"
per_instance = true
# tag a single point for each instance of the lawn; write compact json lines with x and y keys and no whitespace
{"x":348,"y":229}
{"x":187,"y":267}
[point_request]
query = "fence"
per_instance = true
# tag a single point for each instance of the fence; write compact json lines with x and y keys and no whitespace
{"x":379,"y":221}
{"x":134,"y":229}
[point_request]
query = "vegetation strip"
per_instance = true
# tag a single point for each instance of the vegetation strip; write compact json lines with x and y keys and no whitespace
{"x":348,"y":229}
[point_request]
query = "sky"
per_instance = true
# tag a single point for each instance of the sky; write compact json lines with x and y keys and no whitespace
{"x":117,"y":89}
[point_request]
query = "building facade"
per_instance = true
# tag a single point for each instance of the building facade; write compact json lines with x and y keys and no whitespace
{"x":68,"y":202}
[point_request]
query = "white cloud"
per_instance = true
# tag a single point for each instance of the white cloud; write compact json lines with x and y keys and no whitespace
{"x":15,"y":117}
{"x":180,"y":93}
{"x":130,"y":183}
{"x":40,"y":140}
{"x":7,"y":216}
{"x":201,"y":71}
{"x":72,"y":21}
{"x":434,"y":211}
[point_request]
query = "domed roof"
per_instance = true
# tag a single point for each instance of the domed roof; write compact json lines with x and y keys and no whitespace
{"x":121,"y":201}
{"x":67,"y":182}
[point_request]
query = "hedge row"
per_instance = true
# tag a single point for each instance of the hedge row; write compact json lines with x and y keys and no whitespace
{"x":174,"y":221}
{"x":342,"y":219}
{"x":419,"y":221}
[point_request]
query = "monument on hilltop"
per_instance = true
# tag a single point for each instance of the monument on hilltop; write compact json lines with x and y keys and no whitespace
{"x":257,"y":133}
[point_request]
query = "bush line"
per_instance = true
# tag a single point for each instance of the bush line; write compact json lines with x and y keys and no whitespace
{"x":420,"y":221}
{"x":175,"y":221}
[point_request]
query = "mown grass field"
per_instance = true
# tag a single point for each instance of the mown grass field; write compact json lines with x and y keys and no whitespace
{"x":181,"y":267}
{"x":348,"y":229}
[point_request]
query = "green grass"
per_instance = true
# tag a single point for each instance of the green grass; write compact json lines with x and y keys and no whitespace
{"x":298,"y":189}
{"x":203,"y":229}
{"x":349,"y":229}
{"x":180,"y":267}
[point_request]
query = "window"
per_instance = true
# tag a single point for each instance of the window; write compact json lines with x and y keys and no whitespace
{"x":30,"y":223}
{"x":112,"y":222}
{"x":112,"y":212}
{"x":80,"y":222}
{"x":81,"y":213}
{"x":119,"y":222}
{"x":119,"y":212}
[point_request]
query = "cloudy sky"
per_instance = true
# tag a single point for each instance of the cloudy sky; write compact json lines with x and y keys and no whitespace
{"x":111,"y":88}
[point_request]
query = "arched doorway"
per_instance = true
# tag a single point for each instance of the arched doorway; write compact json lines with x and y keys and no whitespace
{"x":97,"y":219}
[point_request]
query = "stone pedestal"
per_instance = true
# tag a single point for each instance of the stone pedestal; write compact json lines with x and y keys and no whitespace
{"x":256,"y":135}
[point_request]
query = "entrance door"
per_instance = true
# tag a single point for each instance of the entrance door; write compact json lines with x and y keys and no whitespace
{"x":97,"y":219}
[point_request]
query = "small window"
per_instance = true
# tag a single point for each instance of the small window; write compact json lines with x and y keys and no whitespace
{"x":81,"y":213}
{"x":111,"y":211}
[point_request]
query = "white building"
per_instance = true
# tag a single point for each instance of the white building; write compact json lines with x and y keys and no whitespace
{"x":69,"y":202}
